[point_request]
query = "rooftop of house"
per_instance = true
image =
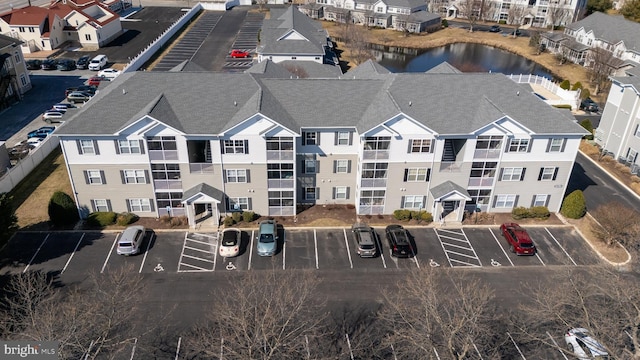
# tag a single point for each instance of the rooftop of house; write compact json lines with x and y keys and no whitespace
{"x":6,"y":41}
{"x":289,"y":31}
{"x":612,"y":29}
{"x":35,"y":15}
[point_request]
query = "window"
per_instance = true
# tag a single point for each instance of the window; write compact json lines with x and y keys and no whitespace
{"x":87,"y":147}
{"x":32,"y":29}
{"x":377,"y":143}
{"x":310,"y":193}
{"x":637,"y":131}
{"x":480,"y":196}
{"x":139,"y":205}
{"x":23,"y":80}
{"x":236,"y":147}
{"x":342,"y":166}
{"x":341,"y":192}
{"x":419,"y":145}
{"x":372,"y":197}
{"x":310,"y":138}
{"x":505,"y":201}
{"x":540,"y":200}
{"x":513,"y":174}
{"x":519,"y":145}
{"x":162,"y":143}
{"x":374,"y":170}
{"x":309,"y":166}
{"x":379,"y":9}
{"x":87,"y":37}
{"x":237,"y":176}
{"x":280,"y":198}
{"x":413,"y":202}
{"x":279,"y":171}
{"x":101,"y":205}
{"x":170,"y":199}
{"x":489,"y":142}
{"x":129,"y":147}
{"x":17,"y":57}
{"x":94,"y":177}
{"x":238,"y":203}
{"x":21,"y":28}
{"x":483,"y":169}
{"x":416,"y":174}
{"x":556,"y":145}
{"x":632,"y":155}
{"x":165,"y":171}
{"x":343,"y":138}
{"x":548,"y":173}
{"x":134,"y":177}
{"x":280,"y":143}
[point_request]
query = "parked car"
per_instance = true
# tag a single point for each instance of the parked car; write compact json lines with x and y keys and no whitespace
{"x":78,"y":97}
{"x":51,"y":116}
{"x":48,"y":64}
{"x":518,"y":239}
{"x":95,"y":80}
{"x":495,"y":29}
{"x":230,"y":243}
{"x":65,"y":106}
{"x":66,"y":65}
{"x":33,"y":64}
{"x":109,"y":73}
{"x":399,"y":241}
{"x":584,"y":346}
{"x":19,"y":152}
{"x":83,"y":62}
{"x":239,"y":54}
{"x":365,"y":239}
{"x":34,"y":142}
{"x":517,"y":32}
{"x":43,"y":132}
{"x":589,"y":105}
{"x":131,"y":239}
{"x":98,"y":62}
{"x":267,"y":238}
{"x":89,"y":89}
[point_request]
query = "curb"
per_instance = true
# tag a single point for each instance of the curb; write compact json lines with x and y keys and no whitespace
{"x":610,"y":175}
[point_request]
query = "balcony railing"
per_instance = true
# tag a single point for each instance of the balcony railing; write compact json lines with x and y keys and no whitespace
{"x":279,"y":155}
{"x":450,"y":166}
{"x":280,"y":183}
{"x":282,"y":210}
{"x":487,"y":153}
{"x":174,"y":212}
{"x":481,"y":182}
{"x":163,"y":154}
{"x":375,"y":155}
{"x":370,"y":209}
{"x":200,"y":168}
{"x":373,"y":183}
{"x":167,"y":184}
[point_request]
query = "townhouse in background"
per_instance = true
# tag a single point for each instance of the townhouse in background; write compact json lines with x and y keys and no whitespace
{"x":14,"y":77}
{"x":617,"y":36}
{"x":87,"y":24}
{"x":190,"y":143}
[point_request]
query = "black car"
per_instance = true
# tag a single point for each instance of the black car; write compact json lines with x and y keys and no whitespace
{"x":48,"y":64}
{"x":399,"y":241}
{"x":33,"y":64}
{"x":66,"y":65}
{"x":83,"y":62}
{"x":589,"y":105}
{"x":517,"y":32}
{"x":495,"y":29}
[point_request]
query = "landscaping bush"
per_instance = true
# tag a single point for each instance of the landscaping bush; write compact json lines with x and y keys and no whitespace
{"x":445,"y":23}
{"x":237,"y":217}
{"x":425,"y":216}
{"x":576,"y":86}
{"x":62,"y":209}
{"x":562,"y":106}
{"x":586,"y":124}
{"x":248,"y":216}
{"x":228,"y":221}
{"x":101,"y":218}
{"x":179,"y":221}
{"x":166,"y":219}
{"x":404,"y":215}
{"x":574,"y":205}
{"x":539,"y":212}
{"x":565,"y":84}
{"x":126,"y":218}
{"x":519,"y":212}
{"x":585,"y":94}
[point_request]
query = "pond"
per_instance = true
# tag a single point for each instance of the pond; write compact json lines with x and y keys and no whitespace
{"x":467,"y":57}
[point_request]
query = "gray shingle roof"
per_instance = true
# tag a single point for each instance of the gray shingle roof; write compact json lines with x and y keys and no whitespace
{"x":8,"y":41}
{"x":311,"y":69}
{"x":211,"y":103}
{"x":292,"y":20}
{"x":367,"y":70}
{"x":629,"y":80}
{"x":447,"y":188}
{"x":611,"y":29}
{"x":444,"y":68}
{"x":204,"y":189}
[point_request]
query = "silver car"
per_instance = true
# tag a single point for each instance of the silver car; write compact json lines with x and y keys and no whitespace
{"x":365,"y":240}
{"x":131,"y":240}
{"x":584,"y":346}
{"x":267,"y":238}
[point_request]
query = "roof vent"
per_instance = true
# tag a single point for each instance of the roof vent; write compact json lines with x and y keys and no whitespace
{"x":235,"y":103}
{"x":517,"y":93}
{"x":410,"y":103}
{"x":124,"y":91}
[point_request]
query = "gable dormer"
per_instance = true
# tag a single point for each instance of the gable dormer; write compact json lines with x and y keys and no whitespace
{"x":292,"y":35}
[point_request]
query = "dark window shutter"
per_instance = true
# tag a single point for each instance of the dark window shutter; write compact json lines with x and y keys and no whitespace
{"x":515,"y":202}
{"x":402,"y":202}
{"x":548,"y":145}
{"x":432,"y":145}
{"x":86,"y":176}
{"x":96,"y":149}
{"x":409,"y":147}
{"x":348,"y":191}
{"x":428,"y":174}
{"x":93,"y":206}
{"x":546,"y":203}
{"x":248,"y":176}
{"x":564,"y":144}
{"x":102,"y":177}
{"x":540,"y":174}
{"x":406,"y":175}
{"x":555,"y":173}
{"x":152,"y":205}
{"x":304,"y":167}
{"x":117,"y":146}
{"x":424,"y":201}
{"x":109,"y":205}
{"x":141,"y":146}
{"x":349,"y":166}
{"x":500,"y":176}
{"x":333,"y":193}
{"x":250,"y":204}
{"x":317,"y":166}
{"x":530,"y":145}
{"x":317,"y":193}
{"x":533,"y":200}
{"x":221,"y":146}
{"x":227,"y":203}
{"x":350,"y":137}
{"x":79,"y":147}
{"x":635,"y":131}
{"x":246,"y":146}
{"x":146,"y":177}
{"x":335,"y":165}
{"x":124,"y":181}
{"x":335,"y":139}
{"x":318,"y":139}
{"x":524,"y":170}
{"x":128,"y":205}
{"x":495,"y":200}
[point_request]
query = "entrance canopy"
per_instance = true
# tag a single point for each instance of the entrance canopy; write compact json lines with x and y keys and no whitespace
{"x":449,"y":191}
{"x":202,"y":194}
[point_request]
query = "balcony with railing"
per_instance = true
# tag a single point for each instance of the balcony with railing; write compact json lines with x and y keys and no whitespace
{"x":201,"y":168}
{"x":278,"y":155}
{"x":163,"y":155}
{"x":481,"y":182}
{"x":282,"y":210}
{"x":163,"y":184}
{"x":487,"y":153}
{"x":370,"y":209}
{"x":450,"y":166}
{"x":280,"y":183}
{"x":375,"y":155}
{"x":373,"y":183}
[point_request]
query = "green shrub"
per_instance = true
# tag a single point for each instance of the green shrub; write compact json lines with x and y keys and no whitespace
{"x":565,"y":84}
{"x":62,"y":209}
{"x":519,"y":212}
{"x":586,"y":124}
{"x":445,"y":23}
{"x":101,"y":218}
{"x":562,"y":106}
{"x":228,"y":221}
{"x":585,"y":94}
{"x":502,"y":22}
{"x":574,"y":205}
{"x":237,"y":217}
{"x":426,"y":216}
{"x":248,"y":216}
{"x":126,"y":218}
{"x":539,"y":212}
{"x":576,"y":86}
{"x":402,"y":215}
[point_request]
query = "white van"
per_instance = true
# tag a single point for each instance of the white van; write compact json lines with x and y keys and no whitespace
{"x":98,"y":62}
{"x":131,"y":240}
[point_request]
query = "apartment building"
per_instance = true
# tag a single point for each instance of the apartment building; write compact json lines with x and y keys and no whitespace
{"x":187,"y":143}
{"x":14,"y":77}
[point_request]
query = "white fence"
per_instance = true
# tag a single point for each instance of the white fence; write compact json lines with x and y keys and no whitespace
{"x":17,"y":173}
{"x":566,"y":96}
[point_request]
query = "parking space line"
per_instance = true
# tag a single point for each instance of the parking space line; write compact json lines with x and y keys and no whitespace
{"x":414,"y":258}
{"x":109,"y":255}
{"x":196,"y":249}
{"x":34,"y":255}
{"x":499,"y":244}
{"x":516,"y":345}
{"x":198,"y":241}
{"x":445,"y":252}
{"x":133,"y":350}
{"x":178,"y":348}
{"x":565,"y":251}
{"x":196,"y":258}
{"x":251,"y":249}
{"x":315,"y":244}
{"x":452,"y":238}
{"x":461,"y":254}
{"x":459,"y":247}
{"x":346,"y":242}
{"x":384,"y":263}
{"x":192,"y":266}
{"x":146,"y":252}
{"x":449,"y":231}
{"x":184,"y":242}
{"x":215,"y":255}
{"x":557,"y":346}
{"x":73,"y":253}
{"x":464,"y":263}
{"x":284,"y":249}
{"x":539,"y":258}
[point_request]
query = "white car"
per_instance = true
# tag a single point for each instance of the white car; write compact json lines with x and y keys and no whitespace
{"x":34,"y":142}
{"x":230,"y":243}
{"x":584,"y":346}
{"x":109,"y":73}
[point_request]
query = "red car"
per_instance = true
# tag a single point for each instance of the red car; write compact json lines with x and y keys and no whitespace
{"x":239,"y":54}
{"x":518,"y":239}
{"x":95,"y":80}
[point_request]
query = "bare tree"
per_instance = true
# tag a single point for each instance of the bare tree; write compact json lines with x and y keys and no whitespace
{"x":557,"y":14}
{"x":599,"y":61}
{"x":421,"y":321}
{"x":358,"y":45}
{"x":262,"y":4}
{"x":297,"y":70}
{"x":515,"y":15}
{"x":263,"y":315}
{"x":617,"y":224}
{"x":471,"y":10}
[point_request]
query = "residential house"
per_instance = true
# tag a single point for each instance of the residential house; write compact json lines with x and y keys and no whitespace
{"x":441,"y":142}
{"x":87,"y":24}
{"x":614,"y":35}
{"x":14,"y":77}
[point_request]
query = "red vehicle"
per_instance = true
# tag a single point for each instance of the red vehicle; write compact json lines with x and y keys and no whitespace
{"x":95,"y":80}
{"x":518,"y":239}
{"x":239,"y":54}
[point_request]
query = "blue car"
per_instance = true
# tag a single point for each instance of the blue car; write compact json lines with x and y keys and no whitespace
{"x":42,"y":133}
{"x":267,"y":238}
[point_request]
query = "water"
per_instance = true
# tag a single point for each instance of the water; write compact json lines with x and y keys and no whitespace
{"x":466,"y":57}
